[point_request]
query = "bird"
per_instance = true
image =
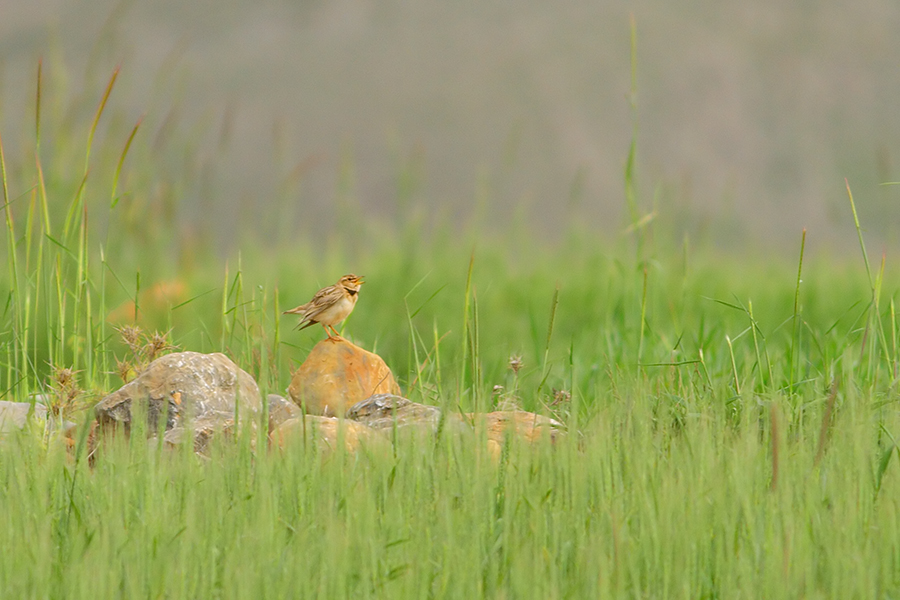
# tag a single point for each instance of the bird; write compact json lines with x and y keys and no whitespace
{"x":330,"y":305}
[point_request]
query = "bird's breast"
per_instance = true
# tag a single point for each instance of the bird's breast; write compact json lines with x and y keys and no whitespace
{"x":338,"y":311}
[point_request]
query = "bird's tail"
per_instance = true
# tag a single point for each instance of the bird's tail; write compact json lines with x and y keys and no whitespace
{"x":301,"y":325}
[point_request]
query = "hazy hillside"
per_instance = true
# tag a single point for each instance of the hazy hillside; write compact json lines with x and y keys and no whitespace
{"x":750,"y":114}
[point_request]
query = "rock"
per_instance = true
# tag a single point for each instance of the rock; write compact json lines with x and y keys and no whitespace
{"x":494,"y":450}
{"x":14,"y":415}
{"x":327,"y":432}
{"x":280,"y":410}
{"x":201,"y":431}
{"x":196,"y":392}
{"x":529,"y":426}
{"x":337,"y":375}
{"x":381,"y":411}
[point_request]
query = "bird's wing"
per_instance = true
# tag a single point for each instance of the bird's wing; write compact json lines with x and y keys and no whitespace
{"x":323,"y":299}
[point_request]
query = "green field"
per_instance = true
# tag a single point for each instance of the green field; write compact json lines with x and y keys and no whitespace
{"x":731,"y":417}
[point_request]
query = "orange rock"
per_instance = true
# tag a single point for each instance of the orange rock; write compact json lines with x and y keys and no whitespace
{"x":328,"y":432}
{"x":337,"y":375}
{"x":155,"y":299}
{"x":495,"y":450}
{"x":529,"y":426}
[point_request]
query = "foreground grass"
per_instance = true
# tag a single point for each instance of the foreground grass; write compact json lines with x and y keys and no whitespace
{"x":731,"y":429}
{"x":633,"y":508}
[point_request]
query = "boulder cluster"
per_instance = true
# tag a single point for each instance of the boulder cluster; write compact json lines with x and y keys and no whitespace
{"x":340,"y":395}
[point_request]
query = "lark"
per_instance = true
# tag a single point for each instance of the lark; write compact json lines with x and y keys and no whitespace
{"x":330,"y":305}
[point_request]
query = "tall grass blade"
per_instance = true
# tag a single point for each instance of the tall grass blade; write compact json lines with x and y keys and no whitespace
{"x":466,"y":323}
{"x":14,"y":368}
{"x":114,"y":199}
{"x":37,"y":108}
{"x":826,"y":422}
{"x":545,"y":363}
{"x":734,"y":373}
{"x":96,"y":121}
{"x":795,"y":327}
{"x":776,"y":445}
{"x":862,"y":244}
{"x":643,"y":318}
{"x":137,"y":295}
{"x":630,"y":193}
{"x":874,"y":317}
{"x":754,"y":327}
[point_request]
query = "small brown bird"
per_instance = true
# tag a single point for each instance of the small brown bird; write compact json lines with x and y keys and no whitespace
{"x":330,"y":305}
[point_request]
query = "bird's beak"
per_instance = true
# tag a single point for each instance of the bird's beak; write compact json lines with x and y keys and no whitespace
{"x":359,"y":280}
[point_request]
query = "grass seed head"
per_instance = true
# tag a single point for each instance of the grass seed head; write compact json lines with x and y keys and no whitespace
{"x":64,"y":384}
{"x":131,"y":335}
{"x":124,"y":370}
{"x":144,"y":350}
{"x":157,"y":345}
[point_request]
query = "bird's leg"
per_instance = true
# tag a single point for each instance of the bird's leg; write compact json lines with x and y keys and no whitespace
{"x":336,"y":332}
{"x":328,"y":333}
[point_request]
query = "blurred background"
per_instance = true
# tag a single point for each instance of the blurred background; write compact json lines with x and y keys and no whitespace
{"x":279,"y":117}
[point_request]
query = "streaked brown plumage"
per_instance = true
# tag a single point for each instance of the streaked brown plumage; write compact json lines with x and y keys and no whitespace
{"x":330,"y":305}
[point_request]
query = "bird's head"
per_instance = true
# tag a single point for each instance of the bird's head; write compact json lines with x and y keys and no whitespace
{"x":351,"y":282}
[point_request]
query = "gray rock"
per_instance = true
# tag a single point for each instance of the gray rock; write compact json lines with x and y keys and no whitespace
{"x":382,"y":411}
{"x":14,"y":415}
{"x":280,"y":410}
{"x":196,"y":392}
{"x":201,"y":431}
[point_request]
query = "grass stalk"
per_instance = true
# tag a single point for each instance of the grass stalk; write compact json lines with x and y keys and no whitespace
{"x":61,"y":329}
{"x":775,"y":445}
{"x":826,"y":422}
{"x":417,"y":366}
{"x":466,"y":325}
{"x":437,"y":362}
{"x":874,"y":316}
{"x":545,"y":363}
{"x":643,"y":318}
{"x":630,"y":163}
{"x":224,"y":312}
{"x":78,"y":202}
{"x":754,"y":328}
{"x":737,"y":383}
{"x":475,"y":356}
{"x":795,"y":320}
{"x":114,"y":199}
{"x":14,"y":368}
{"x":276,"y":333}
{"x":862,"y":243}
{"x":37,"y":108}
{"x":895,"y":371}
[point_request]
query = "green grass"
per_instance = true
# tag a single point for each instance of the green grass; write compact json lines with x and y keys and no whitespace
{"x":731,"y":423}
